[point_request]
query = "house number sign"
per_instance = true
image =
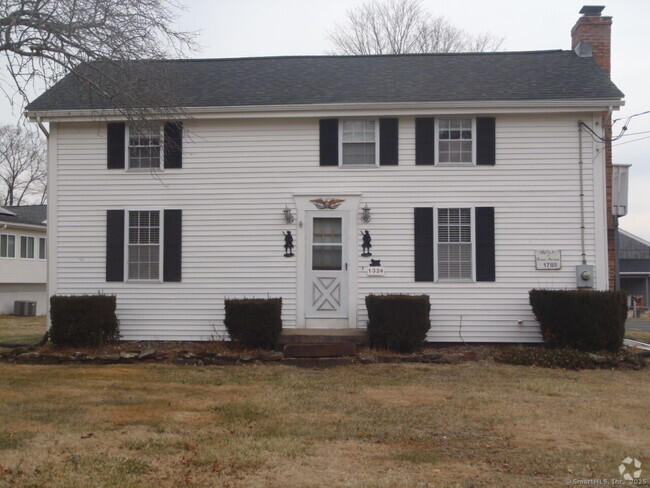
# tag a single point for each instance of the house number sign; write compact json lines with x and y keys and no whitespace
{"x":547,"y":259}
{"x":375,"y":271}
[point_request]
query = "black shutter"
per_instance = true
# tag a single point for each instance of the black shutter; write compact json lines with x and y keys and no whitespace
{"x":423,"y":217}
{"x":485,"y":141}
{"x":173,"y":242}
{"x":424,"y":141}
{"x":388,"y":145}
{"x":485,"y":267}
{"x":174,"y":145}
{"x":115,"y":245}
{"x":329,"y":142}
{"x":115,"y":145}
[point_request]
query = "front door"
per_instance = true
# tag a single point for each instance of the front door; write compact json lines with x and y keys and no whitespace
{"x":326,"y":290}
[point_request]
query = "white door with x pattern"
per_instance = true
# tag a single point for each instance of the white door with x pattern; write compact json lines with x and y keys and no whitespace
{"x":326,"y":287}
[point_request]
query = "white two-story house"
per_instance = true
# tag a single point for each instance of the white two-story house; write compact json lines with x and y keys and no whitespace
{"x":23,"y":257}
{"x":471,"y":175}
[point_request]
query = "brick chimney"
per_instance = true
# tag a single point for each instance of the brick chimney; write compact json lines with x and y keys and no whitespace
{"x":592,"y":36}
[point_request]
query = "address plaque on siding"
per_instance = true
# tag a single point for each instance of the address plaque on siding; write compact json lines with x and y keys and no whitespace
{"x":548,"y":259}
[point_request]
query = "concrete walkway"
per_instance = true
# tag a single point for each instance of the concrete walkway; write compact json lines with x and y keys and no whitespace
{"x":638,"y":325}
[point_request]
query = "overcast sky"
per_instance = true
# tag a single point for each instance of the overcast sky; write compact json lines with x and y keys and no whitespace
{"x":242,"y":28}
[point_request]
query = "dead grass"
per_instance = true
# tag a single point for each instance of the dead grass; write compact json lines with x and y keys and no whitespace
{"x":22,"y":330}
{"x":639,"y":335}
{"x":385,"y":425}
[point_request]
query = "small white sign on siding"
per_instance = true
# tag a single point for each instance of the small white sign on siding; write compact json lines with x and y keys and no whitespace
{"x":548,"y":259}
{"x":375,"y":271}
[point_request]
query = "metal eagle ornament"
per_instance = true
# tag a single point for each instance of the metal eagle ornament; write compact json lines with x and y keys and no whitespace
{"x":330,"y":204}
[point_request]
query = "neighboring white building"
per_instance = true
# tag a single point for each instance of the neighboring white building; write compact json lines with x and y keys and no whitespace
{"x":469,"y":164}
{"x":23,"y":257}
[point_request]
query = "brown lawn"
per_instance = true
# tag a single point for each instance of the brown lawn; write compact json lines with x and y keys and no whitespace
{"x":22,"y":330}
{"x":385,"y":425}
{"x":639,"y":335}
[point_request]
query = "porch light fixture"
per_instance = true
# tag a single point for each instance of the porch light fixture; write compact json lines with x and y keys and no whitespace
{"x":365,"y":215}
{"x":288,"y":216}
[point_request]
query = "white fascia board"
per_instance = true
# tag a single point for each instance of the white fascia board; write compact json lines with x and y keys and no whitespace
{"x":16,"y":225}
{"x":344,"y":109}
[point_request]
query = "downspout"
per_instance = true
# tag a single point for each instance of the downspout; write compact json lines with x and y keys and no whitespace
{"x":582,"y":195}
{"x":42,"y":127}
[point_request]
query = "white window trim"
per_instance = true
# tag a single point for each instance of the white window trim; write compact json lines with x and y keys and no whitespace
{"x":39,"y":249}
{"x":20,"y":250}
{"x":436,"y":129}
{"x":127,"y":166}
{"x":436,"y":267}
{"x":16,"y":254}
{"x":161,"y":240}
{"x":357,"y":166}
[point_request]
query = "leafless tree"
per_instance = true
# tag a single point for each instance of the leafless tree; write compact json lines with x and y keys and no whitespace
{"x":22,"y":166}
{"x":43,"y":40}
{"x":404,"y":26}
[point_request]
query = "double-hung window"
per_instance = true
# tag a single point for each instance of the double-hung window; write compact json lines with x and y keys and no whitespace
{"x":454,"y":244}
{"x":359,"y":143}
{"x":145,"y":147}
{"x":42,"y":248}
{"x":26,"y":247}
{"x":7,"y":246}
{"x":144,"y":245}
{"x":455,"y":140}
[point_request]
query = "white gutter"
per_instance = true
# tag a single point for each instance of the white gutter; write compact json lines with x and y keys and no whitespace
{"x":336,"y":109}
{"x":23,"y":226}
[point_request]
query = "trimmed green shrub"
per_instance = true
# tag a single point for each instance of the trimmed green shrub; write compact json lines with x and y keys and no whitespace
{"x":254,"y":322}
{"x":398,"y":322}
{"x":83,"y":320}
{"x":587,"y":320}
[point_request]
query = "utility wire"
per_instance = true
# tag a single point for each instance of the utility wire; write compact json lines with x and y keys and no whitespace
{"x":597,"y":138}
{"x":633,"y":140}
{"x":631,"y":116}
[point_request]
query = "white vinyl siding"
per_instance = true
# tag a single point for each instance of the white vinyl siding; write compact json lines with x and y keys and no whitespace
{"x":359,"y":143}
{"x":238,"y":176}
{"x":7,"y":246}
{"x":26,"y":247}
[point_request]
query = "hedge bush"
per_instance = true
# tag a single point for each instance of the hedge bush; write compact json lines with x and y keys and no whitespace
{"x":254,"y":322}
{"x":83,"y":320}
{"x":398,"y":322}
{"x":587,"y":320}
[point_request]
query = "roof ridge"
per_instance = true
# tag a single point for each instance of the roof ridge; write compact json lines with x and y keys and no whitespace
{"x":336,"y":56}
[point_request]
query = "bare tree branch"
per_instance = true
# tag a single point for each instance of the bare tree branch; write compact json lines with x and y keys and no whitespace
{"x":401,"y":27}
{"x":22,"y":166}
{"x":43,"y":40}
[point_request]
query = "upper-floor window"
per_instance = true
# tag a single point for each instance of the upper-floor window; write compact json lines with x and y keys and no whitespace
{"x":455,"y":141}
{"x":359,"y":143}
{"x":454,"y":243}
{"x":26,"y":247}
{"x":7,"y":246}
{"x":42,"y":248}
{"x":144,"y":245}
{"x":145,"y":147}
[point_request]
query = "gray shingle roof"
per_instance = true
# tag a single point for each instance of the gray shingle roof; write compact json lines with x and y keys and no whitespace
{"x":538,"y":75}
{"x":25,"y":214}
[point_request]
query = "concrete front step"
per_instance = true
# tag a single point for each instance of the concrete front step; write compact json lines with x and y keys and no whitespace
{"x":323,"y":336}
{"x":333,"y":350}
